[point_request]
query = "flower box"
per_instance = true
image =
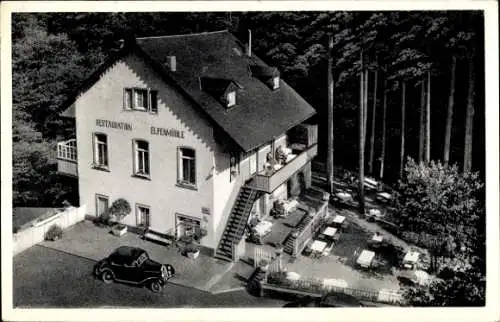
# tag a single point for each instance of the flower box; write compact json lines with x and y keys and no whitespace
{"x":119,"y":230}
{"x":193,"y":255}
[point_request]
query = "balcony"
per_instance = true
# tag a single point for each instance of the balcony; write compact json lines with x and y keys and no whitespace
{"x":302,"y":148}
{"x":67,"y":163}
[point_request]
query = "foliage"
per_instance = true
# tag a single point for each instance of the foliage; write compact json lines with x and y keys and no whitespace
{"x":119,"y":209}
{"x":461,"y":288}
{"x":54,"y":232}
{"x":439,"y":209}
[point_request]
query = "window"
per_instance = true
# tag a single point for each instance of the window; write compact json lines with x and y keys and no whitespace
{"x":187,"y":226}
{"x":128,"y":99}
{"x":231,"y":99}
{"x":187,"y":167}
{"x":143,"y":215}
{"x":100,"y":150}
{"x":234,"y":165}
{"x":140,"y":99}
{"x":276,"y":82}
{"x":141,"y":158}
{"x":101,"y":205}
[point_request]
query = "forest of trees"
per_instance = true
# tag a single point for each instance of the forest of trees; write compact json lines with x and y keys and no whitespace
{"x":398,"y":84}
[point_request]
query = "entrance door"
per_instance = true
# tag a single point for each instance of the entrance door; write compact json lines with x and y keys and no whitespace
{"x":102,"y":203}
{"x":253,"y":163}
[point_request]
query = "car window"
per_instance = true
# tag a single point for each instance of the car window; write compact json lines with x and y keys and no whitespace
{"x":141,"y":259}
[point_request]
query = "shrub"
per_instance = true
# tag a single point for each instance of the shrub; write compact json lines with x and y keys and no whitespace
{"x":119,"y":209}
{"x":55,"y":232}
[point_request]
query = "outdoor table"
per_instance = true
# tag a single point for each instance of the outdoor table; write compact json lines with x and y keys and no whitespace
{"x":344,"y":196}
{"x":377,"y":238}
{"x":292,"y":276}
{"x":384,"y":196}
{"x":318,"y":246}
{"x":338,"y":219}
{"x":262,"y":228}
{"x":332,"y":283}
{"x":329,"y":231}
{"x":370,"y":183}
{"x":410,"y":259}
{"x":365,"y":258}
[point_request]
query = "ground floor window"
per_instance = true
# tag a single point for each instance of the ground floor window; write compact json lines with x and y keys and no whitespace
{"x":101,"y":205}
{"x":143,"y":215}
{"x":187,"y":227}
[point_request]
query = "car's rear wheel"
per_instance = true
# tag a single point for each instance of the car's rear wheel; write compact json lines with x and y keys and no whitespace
{"x":107,"y":276}
{"x":156,"y":286}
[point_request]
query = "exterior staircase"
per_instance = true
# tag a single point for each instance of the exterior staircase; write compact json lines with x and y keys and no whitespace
{"x":290,"y":240}
{"x":236,"y":223}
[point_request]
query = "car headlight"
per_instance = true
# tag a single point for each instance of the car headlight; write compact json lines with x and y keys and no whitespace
{"x":163,"y":272}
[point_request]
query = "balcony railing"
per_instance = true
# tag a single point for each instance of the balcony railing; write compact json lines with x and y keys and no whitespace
{"x":67,"y":158}
{"x":268,"y":180}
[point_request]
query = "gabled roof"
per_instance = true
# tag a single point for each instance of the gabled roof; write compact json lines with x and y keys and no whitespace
{"x":261,"y":113}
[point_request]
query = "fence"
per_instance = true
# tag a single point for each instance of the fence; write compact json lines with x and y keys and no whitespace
{"x":36,"y":233}
{"x":316,"y":287}
{"x":260,"y":254}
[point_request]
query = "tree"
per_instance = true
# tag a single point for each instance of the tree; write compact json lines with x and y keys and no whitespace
{"x":449,"y":115}
{"x":330,"y":147}
{"x":421,"y":135}
{"x":440,"y":209}
{"x":428,"y":120}
{"x":384,"y":122}
{"x":403,"y":121}
{"x":374,"y":113}
{"x":361,"y":147}
{"x":458,"y":288}
{"x":469,"y":119}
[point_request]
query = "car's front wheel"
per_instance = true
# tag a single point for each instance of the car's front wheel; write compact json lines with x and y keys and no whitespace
{"x":156,"y":286}
{"x":107,"y":276}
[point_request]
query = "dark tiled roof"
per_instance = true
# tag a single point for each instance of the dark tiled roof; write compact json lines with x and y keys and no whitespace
{"x":260,"y":113}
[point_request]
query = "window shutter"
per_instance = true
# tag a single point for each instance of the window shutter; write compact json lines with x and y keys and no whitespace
{"x":179,"y":164}
{"x":148,"y":100}
{"x":125,"y":99}
{"x":153,"y":98}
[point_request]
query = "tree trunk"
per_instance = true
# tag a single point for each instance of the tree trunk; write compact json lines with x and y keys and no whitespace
{"x":384,"y":107}
{"x":449,"y":116}
{"x":372,"y":135}
{"x":421,"y":138}
{"x":365,"y":106}
{"x":330,"y":117}
{"x":428,"y":120}
{"x":361,"y":192}
{"x":402,"y":151}
{"x":469,"y":119}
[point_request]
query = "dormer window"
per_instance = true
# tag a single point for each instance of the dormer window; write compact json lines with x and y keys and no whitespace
{"x":171,"y":63}
{"x":268,"y":75}
{"x":276,"y":82}
{"x":223,"y":90}
{"x":231,"y":98}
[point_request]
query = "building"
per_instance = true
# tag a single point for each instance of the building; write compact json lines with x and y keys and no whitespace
{"x":194,"y":131}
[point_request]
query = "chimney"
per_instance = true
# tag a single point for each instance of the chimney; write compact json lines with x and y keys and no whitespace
{"x":171,"y":63}
{"x":249,"y":48}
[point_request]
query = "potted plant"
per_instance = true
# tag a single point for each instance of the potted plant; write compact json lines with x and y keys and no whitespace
{"x":119,"y":210}
{"x":54,"y":233}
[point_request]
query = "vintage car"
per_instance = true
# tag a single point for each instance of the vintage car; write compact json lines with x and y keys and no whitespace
{"x":133,"y":265}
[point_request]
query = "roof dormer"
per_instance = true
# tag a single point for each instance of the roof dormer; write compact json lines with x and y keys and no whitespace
{"x":223,"y":90}
{"x":268,"y":75}
{"x":171,"y":63}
